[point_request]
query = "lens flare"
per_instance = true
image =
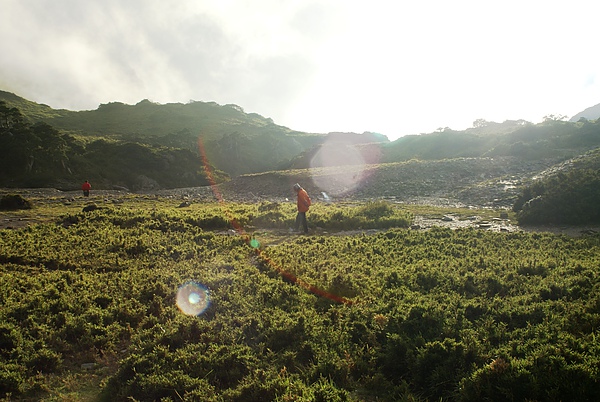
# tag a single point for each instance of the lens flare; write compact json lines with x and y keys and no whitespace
{"x":193,"y":298}
{"x":336,"y":153}
{"x":255,"y":246}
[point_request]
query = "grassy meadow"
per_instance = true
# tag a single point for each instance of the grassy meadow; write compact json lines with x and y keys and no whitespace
{"x":364,"y":308}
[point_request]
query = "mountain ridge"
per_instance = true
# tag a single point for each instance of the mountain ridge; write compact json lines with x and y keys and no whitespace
{"x":135,"y":147}
{"x":590,"y":113}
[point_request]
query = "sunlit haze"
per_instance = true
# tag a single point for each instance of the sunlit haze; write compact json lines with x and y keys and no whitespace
{"x":391,"y":67}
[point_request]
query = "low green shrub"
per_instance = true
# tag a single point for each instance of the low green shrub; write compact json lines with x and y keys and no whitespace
{"x":563,"y":198}
{"x":396,"y":315}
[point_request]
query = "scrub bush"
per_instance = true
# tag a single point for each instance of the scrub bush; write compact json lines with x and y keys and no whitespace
{"x":397,"y":314}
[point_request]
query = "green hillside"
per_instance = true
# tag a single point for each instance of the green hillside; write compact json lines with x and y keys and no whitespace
{"x":240,"y":142}
{"x":149,"y":146}
{"x":550,"y":139}
{"x":149,"y":119}
{"x":569,"y":193}
{"x":39,"y":155}
{"x":33,"y":112}
{"x":236,"y":142}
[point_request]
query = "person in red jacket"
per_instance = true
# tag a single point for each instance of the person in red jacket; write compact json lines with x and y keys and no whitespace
{"x":86,"y":187}
{"x":303,"y":204}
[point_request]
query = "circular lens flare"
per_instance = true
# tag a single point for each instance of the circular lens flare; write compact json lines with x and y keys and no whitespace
{"x":253,"y":244}
{"x":193,"y":298}
{"x":335,"y":153}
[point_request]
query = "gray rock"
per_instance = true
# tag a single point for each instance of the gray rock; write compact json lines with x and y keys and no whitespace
{"x":89,"y":208}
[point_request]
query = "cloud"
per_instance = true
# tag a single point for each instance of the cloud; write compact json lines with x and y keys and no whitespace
{"x":97,"y":52}
{"x":391,"y":67}
{"x":81,"y":53}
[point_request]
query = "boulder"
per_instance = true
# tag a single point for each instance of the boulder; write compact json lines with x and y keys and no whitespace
{"x":13,"y":202}
{"x":145,"y":183}
{"x":90,"y":208}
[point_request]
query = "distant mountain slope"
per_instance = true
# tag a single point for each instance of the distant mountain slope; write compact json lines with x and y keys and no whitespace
{"x":39,"y":155}
{"x":550,"y":139}
{"x":236,"y":142}
{"x":591,"y":113}
{"x":148,"y":145}
{"x":34,"y":112}
{"x":147,"y":118}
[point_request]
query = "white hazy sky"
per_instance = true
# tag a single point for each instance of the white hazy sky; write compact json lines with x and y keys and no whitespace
{"x":394,"y":67}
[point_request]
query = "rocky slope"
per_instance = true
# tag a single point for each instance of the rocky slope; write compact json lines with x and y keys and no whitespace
{"x":480,"y":182}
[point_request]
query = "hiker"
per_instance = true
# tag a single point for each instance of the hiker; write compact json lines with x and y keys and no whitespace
{"x":85,"y":187}
{"x":303,"y":204}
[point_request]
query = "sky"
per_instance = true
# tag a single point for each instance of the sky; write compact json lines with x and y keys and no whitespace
{"x":393,"y":67}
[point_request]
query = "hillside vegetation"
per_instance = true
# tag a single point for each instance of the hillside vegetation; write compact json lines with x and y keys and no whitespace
{"x":238,"y":142}
{"x":39,"y":155}
{"x":550,"y":139}
{"x":567,"y":194}
{"x":148,"y":147}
